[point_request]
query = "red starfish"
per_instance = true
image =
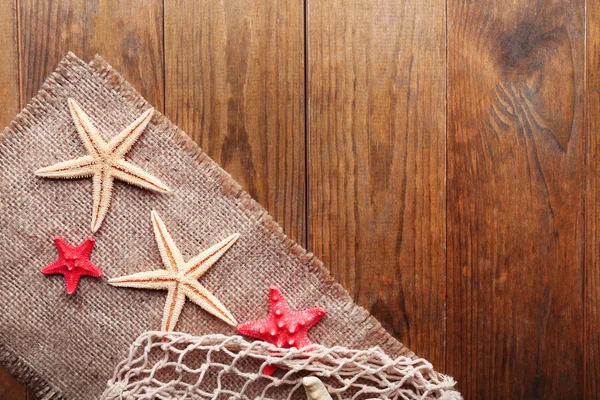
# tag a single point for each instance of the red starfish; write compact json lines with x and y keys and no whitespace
{"x":73,"y":262}
{"x":283,"y":327}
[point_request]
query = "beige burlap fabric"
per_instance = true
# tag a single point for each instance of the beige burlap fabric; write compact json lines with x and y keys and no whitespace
{"x":69,"y":345}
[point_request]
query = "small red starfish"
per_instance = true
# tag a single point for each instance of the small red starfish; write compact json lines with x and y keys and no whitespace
{"x":73,"y":263}
{"x":283,"y":327}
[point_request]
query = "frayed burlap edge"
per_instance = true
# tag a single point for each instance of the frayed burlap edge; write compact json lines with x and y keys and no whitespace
{"x":17,"y":366}
{"x":25,"y":373}
{"x":228,"y":186}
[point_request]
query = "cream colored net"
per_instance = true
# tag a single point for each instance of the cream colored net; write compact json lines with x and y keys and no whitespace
{"x":164,"y":365}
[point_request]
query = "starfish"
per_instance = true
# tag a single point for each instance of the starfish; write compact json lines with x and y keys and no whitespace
{"x":283,"y":327}
{"x":105,"y":161}
{"x":180,"y":278}
{"x":73,"y":263}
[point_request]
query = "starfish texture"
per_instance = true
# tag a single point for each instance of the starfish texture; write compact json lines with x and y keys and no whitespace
{"x":180,"y":278}
{"x":73,"y":262}
{"x":105,"y":161}
{"x":283,"y":327}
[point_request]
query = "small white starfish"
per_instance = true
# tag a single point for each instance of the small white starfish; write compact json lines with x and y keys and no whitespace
{"x":105,"y":161}
{"x":180,"y":278}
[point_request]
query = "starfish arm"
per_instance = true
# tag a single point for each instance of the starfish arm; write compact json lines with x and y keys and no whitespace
{"x":102,"y":183}
{"x":134,"y":175}
{"x":55,"y":268}
{"x":72,"y":279}
{"x":198,"y":265}
{"x":87,"y":131}
{"x":77,"y":168}
{"x":62,"y":246}
{"x":202,"y":297}
{"x":269,"y":369}
{"x":311,"y":317}
{"x":122,"y":143}
{"x":89,"y":269}
{"x":158,"y":279}
{"x":86,"y":247}
{"x":302,"y":341}
{"x":173,"y":307}
{"x":169,"y":252}
{"x":256,"y":329}
{"x":277,"y":303}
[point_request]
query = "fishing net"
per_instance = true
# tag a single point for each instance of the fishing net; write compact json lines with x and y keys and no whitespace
{"x":164,"y":365}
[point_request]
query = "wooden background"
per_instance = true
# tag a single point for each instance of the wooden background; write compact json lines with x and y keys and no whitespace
{"x":441,"y":156}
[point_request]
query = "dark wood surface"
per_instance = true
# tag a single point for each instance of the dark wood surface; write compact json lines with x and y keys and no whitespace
{"x":440,"y":156}
{"x":235,"y":83}
{"x":376,"y":169}
{"x":516,"y":153}
{"x":592,"y":205}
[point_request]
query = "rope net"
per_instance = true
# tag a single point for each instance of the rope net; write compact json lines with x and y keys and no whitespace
{"x":173,"y":365}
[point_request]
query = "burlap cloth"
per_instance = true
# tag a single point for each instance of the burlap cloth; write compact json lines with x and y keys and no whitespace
{"x":69,"y":345}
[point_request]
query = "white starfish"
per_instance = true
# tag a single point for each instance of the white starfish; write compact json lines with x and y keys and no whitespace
{"x":105,"y":161}
{"x":180,"y":278}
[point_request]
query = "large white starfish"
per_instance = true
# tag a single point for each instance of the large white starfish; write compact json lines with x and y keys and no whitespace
{"x":105,"y":161}
{"x":180,"y":278}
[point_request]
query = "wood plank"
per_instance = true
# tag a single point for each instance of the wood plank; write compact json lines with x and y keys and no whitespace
{"x":128,"y":37}
{"x":515,"y":199}
{"x":9,"y":63}
{"x":592,"y":206}
{"x":10,"y":388}
{"x":377,"y":159}
{"x":235,"y":83}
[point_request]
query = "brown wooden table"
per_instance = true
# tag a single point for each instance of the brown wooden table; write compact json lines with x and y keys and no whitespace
{"x":441,"y":156}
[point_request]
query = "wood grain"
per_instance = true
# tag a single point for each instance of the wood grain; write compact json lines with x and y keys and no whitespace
{"x":9,"y":63}
{"x":377,"y":159}
{"x":10,"y":388}
{"x":592,"y":206}
{"x":235,"y":83}
{"x":515,"y":199}
{"x":495,"y":279}
{"x":129,"y":35}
